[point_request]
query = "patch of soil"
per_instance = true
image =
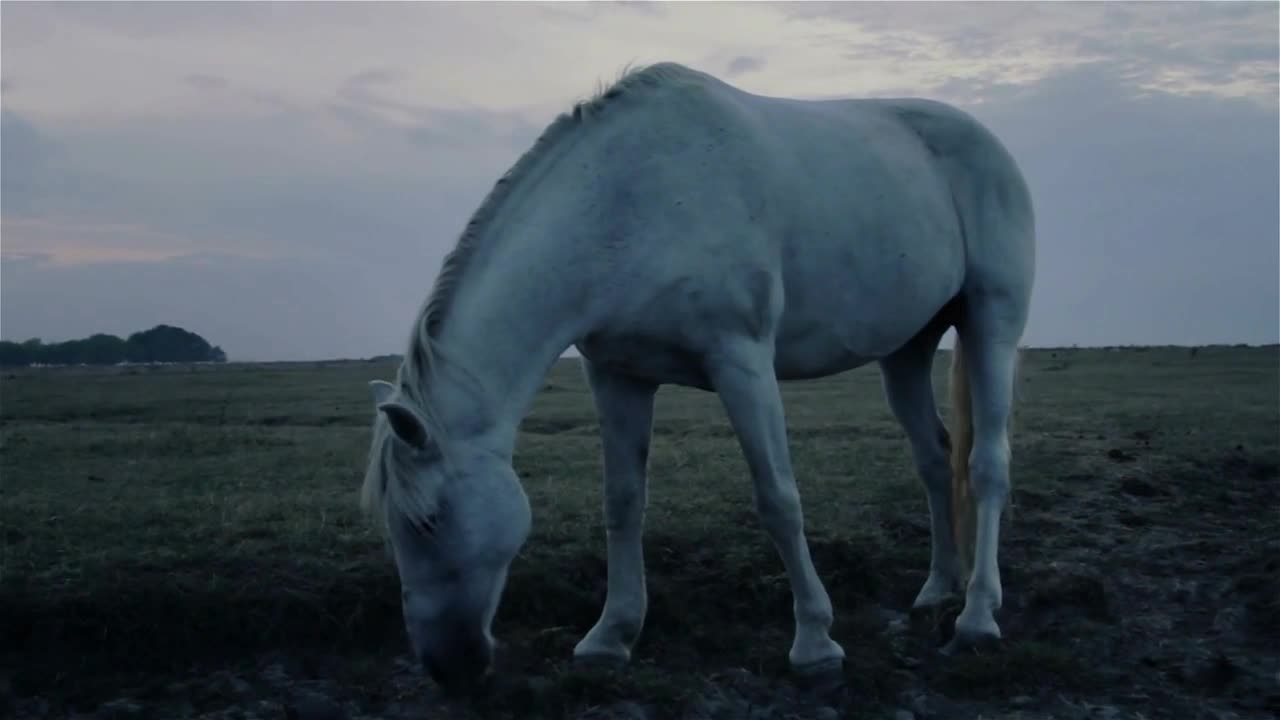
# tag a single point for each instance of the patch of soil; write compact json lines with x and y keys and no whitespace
{"x":1136,"y":596}
{"x":1171,"y":604}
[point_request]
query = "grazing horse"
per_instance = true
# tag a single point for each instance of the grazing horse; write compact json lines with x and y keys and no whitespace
{"x":676,"y":229}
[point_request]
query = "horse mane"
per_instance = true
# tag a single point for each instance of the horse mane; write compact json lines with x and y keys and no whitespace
{"x":456,"y":261}
{"x":421,"y":361}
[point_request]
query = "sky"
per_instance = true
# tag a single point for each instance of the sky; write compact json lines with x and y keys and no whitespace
{"x":285,"y":178}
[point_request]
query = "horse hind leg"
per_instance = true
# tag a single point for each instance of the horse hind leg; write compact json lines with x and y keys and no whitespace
{"x":987,"y":342}
{"x":908,"y":387}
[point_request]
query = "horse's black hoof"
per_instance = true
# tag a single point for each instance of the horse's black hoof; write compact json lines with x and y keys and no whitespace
{"x":599,"y":661}
{"x":972,"y":643}
{"x":823,"y":676}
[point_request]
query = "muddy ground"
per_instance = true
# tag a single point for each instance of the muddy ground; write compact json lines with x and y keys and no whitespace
{"x":184,"y":543}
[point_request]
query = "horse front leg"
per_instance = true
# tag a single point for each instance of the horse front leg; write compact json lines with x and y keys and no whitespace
{"x":625,"y":408}
{"x":743,"y":376}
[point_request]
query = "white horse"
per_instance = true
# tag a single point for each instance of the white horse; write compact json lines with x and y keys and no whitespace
{"x":676,"y":229}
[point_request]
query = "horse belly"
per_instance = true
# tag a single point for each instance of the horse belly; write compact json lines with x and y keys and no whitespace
{"x":848,"y":309}
{"x":815,"y":356}
{"x":646,"y":357}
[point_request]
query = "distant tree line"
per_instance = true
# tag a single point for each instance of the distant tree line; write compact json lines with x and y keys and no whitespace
{"x":162,"y":343}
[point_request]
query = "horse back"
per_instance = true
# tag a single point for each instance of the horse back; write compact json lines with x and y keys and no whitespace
{"x":830,"y":226}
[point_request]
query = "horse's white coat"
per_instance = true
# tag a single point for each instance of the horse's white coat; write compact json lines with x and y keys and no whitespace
{"x":679,"y":230}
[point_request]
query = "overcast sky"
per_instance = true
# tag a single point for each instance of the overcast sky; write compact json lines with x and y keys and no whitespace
{"x":284,"y":179}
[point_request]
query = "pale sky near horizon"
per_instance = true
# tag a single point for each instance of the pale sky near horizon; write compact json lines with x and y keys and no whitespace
{"x":284,"y":178}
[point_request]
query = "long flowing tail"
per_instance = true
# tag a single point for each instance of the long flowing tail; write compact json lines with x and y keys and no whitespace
{"x":963,"y":518}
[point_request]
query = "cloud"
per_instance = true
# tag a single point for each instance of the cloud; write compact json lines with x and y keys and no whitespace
{"x":1225,"y":49}
{"x":201,"y":81}
{"x":71,"y":242}
{"x":24,"y":147}
{"x":1144,"y":129}
{"x":368,"y":103}
{"x":284,"y":53}
{"x":25,"y":154}
{"x":593,"y":11}
{"x":350,"y":180}
{"x":1156,"y":215}
{"x":744,"y":64}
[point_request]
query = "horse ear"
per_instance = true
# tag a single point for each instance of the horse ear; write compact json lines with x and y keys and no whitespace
{"x":381,"y":391}
{"x":405,"y":423}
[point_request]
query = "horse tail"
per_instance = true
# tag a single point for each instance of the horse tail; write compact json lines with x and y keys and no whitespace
{"x":963,"y":515}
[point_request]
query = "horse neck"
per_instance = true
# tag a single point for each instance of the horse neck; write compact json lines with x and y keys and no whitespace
{"x":505,"y":330}
{"x":520,"y":300}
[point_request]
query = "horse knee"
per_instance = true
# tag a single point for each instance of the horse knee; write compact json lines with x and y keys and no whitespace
{"x":778,"y":505}
{"x":989,"y":471}
{"x":624,"y":506}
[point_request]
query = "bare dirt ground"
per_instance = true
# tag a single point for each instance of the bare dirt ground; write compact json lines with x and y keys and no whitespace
{"x":184,"y":543}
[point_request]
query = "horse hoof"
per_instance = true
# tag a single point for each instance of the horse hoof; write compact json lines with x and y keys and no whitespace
{"x":936,"y":594}
{"x":929,"y":616}
{"x":978,"y":643}
{"x":975,"y":631}
{"x":822,"y":676}
{"x":599,"y":661}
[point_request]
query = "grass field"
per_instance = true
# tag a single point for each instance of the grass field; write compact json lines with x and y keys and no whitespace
{"x":185,"y":542}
